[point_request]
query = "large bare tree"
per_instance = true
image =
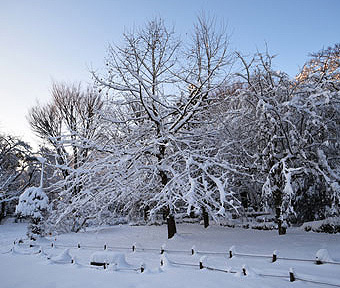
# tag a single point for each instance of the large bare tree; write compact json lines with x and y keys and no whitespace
{"x":68,"y":123}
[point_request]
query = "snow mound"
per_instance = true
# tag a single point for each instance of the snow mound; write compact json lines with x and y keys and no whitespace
{"x":63,"y":258}
{"x":114,"y":258}
{"x":165,"y":262}
{"x":24,"y":251}
{"x":248,"y":271}
{"x":322,"y":256}
{"x":41,"y":252}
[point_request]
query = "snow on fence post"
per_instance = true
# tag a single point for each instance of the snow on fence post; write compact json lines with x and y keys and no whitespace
{"x":193,"y":248}
{"x":201,"y":265}
{"x":274,"y":256}
{"x":142,"y":267}
{"x":244,"y":270}
{"x":291,"y":275}
{"x":164,"y":261}
{"x":162,"y":248}
{"x":201,"y":262}
{"x":78,"y":245}
{"x":231,"y":251}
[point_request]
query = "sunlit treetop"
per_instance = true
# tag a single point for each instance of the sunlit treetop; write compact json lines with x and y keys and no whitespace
{"x":324,"y":64}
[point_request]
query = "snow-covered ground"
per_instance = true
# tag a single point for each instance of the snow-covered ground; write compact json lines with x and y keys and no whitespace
{"x":25,"y":267}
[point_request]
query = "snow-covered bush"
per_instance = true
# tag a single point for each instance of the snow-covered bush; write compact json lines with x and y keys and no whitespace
{"x":329,"y":225}
{"x":33,"y":203}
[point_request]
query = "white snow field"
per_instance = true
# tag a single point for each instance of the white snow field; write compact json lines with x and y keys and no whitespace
{"x":25,"y":267}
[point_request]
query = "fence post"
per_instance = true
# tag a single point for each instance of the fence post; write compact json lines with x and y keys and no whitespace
{"x":193,"y":248}
{"x":78,"y":245}
{"x":133,"y":248}
{"x":318,"y":262}
{"x":164,"y":261}
{"x":142,"y":268}
{"x":231,"y":251}
{"x":244,"y":270}
{"x":162,"y":248}
{"x":201,"y":264}
{"x":105,"y":246}
{"x":291,"y":275}
{"x":274,"y":256}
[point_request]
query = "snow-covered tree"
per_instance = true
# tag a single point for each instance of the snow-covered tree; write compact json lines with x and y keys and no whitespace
{"x":33,"y":203}
{"x":317,"y":103}
{"x":158,"y":99}
{"x":68,"y":124}
{"x":177,"y":135}
{"x":323,"y":68}
{"x":16,"y":172}
{"x":286,"y":128}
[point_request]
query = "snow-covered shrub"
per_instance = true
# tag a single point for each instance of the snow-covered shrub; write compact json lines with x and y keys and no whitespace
{"x":329,"y":225}
{"x":264,"y":226}
{"x":33,"y":203}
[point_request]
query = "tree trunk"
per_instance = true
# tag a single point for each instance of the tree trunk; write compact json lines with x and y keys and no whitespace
{"x":146,"y":212}
{"x":282,"y":229}
{"x":244,"y":199}
{"x":171,"y":226}
{"x":164,"y":180}
{"x":2,"y":211}
{"x":205,"y":217}
{"x":278,"y":182}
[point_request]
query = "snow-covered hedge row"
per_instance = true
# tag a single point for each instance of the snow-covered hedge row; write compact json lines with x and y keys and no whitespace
{"x":329,"y":225}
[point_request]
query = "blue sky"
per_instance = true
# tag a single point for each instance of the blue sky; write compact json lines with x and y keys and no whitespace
{"x":46,"y":40}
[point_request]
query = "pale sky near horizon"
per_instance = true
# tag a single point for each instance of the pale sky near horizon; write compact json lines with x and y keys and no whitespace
{"x":46,"y":40}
